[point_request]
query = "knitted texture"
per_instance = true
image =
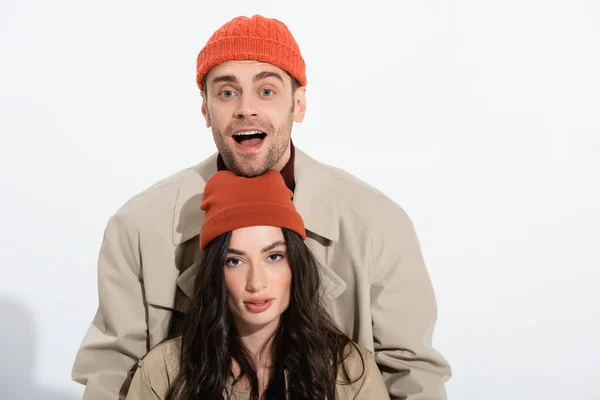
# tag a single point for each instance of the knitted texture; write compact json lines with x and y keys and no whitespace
{"x":256,"y":38}
{"x":232,"y":202}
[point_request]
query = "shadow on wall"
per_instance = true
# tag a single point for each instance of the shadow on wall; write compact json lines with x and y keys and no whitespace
{"x":18,"y":343}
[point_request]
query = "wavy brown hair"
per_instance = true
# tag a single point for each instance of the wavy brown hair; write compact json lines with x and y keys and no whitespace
{"x":306,"y":345}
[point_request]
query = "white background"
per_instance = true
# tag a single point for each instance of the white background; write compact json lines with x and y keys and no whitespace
{"x":480,"y":118}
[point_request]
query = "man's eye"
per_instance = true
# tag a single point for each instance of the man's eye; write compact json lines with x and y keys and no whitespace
{"x":267,"y":92}
{"x":227,"y":93}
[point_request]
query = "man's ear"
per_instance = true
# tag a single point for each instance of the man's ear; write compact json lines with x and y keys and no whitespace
{"x":205,"y":112}
{"x":299,"y":104}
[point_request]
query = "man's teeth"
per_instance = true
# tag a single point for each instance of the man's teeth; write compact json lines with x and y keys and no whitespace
{"x":248,"y":133}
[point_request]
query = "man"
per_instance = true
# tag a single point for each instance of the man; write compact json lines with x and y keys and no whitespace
{"x":252,"y":80}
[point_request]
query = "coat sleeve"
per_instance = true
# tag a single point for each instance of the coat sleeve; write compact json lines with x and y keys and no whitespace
{"x":404,"y":311}
{"x":116,"y":339}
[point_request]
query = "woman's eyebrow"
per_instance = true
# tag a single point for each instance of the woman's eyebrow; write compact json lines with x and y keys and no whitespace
{"x":264,"y":250}
{"x":235,"y":251}
{"x":273,"y":245}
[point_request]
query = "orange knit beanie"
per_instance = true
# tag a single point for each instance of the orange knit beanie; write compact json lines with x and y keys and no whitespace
{"x":257,"y":38}
{"x":231,"y":202}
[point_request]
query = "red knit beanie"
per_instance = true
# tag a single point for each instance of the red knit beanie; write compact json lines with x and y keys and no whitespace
{"x":257,"y":38}
{"x":231,"y":202}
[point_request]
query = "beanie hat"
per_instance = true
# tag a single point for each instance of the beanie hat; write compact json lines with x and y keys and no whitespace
{"x":231,"y":202}
{"x":256,"y":38}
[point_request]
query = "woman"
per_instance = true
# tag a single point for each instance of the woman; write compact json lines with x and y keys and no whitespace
{"x":256,"y":329}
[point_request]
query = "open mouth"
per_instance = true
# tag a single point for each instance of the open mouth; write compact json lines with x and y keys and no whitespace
{"x":249,"y":138}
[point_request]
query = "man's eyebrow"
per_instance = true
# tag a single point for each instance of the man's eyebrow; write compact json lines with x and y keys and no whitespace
{"x":267,"y":74}
{"x":225,"y":78}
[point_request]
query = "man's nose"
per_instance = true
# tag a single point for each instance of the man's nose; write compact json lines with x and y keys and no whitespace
{"x":247,"y":106}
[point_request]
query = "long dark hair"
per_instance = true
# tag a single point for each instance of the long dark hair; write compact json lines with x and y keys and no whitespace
{"x":306,"y":345}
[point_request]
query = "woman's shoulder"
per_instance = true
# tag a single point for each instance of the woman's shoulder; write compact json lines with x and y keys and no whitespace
{"x":162,"y":361}
{"x":164,"y":351}
{"x":155,"y":371}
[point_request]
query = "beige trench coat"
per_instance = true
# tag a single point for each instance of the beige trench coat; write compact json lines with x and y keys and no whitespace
{"x":375,"y":282}
{"x":160,"y":367}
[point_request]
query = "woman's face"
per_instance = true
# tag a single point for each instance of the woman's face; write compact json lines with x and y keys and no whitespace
{"x":258,"y":278}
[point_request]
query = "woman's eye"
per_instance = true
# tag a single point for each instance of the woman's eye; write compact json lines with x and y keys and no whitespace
{"x":233,"y":262}
{"x":275,"y":257}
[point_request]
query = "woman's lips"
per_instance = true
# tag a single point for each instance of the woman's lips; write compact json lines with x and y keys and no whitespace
{"x":258,"y":306}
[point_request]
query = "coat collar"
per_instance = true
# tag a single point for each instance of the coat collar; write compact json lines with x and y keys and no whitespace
{"x":313,"y":198}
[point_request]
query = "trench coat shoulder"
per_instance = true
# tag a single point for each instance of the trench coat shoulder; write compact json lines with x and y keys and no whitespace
{"x":156,"y":200}
{"x":352,"y":201}
{"x":156,"y":205}
{"x":367,"y":203}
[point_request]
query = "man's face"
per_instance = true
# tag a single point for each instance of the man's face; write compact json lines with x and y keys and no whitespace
{"x":250,"y":107}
